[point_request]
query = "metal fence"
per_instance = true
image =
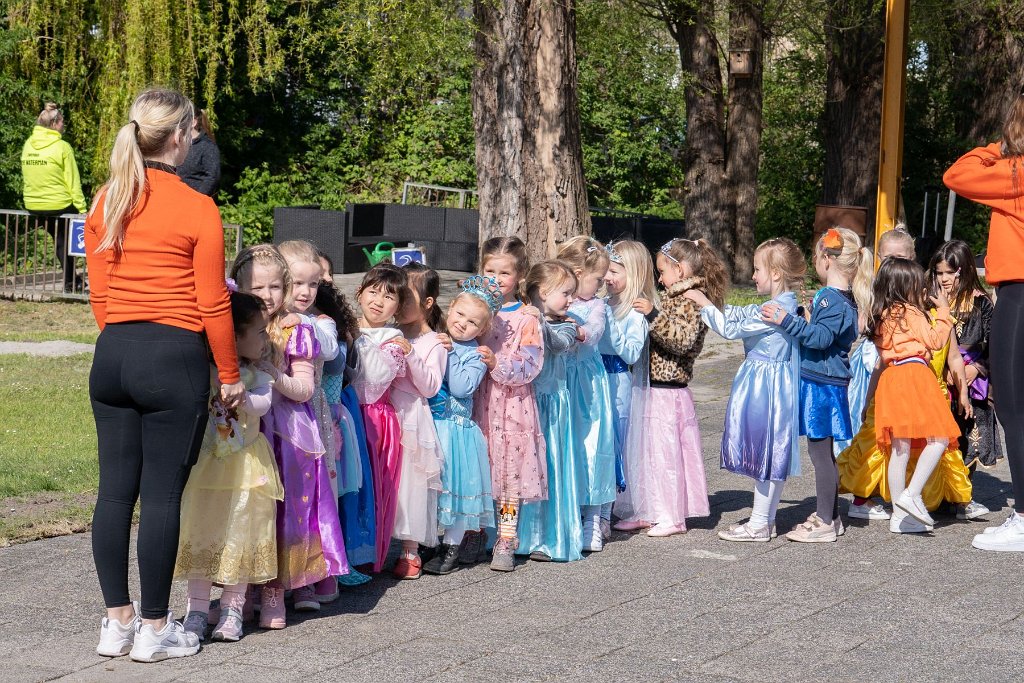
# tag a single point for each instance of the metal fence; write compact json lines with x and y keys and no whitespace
{"x":31,"y":267}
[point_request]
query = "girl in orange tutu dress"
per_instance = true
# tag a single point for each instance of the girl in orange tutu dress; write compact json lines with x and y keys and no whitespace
{"x":906,"y":338}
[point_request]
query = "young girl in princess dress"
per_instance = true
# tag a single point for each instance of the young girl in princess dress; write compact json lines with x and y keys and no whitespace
{"x":465,"y":503}
{"x":761,"y":440}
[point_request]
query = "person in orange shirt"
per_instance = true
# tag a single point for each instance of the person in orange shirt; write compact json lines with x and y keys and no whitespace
{"x":155,"y":257}
{"x":906,"y":337}
{"x":994,"y":176}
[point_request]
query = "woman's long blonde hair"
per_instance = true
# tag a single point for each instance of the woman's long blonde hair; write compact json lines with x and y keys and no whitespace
{"x":154,"y":117}
{"x":636,"y":261}
{"x":241,"y":273}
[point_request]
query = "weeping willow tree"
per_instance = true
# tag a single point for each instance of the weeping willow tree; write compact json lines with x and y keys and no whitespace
{"x":94,"y":56}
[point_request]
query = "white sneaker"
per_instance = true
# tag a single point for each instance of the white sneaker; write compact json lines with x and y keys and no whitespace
{"x":173,"y":641}
{"x":746,"y":533}
{"x":593,"y":542}
{"x":902,"y":523}
{"x":116,"y":639}
{"x":972,"y":510}
{"x":914,"y":506}
{"x":1006,"y":538}
{"x":868,"y":511}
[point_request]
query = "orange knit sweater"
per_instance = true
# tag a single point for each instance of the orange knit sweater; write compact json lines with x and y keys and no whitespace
{"x":171,"y":269}
{"x":909,"y":332}
{"x":984,"y":176}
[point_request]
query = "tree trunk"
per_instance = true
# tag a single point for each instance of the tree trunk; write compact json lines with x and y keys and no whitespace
{"x":746,"y":32}
{"x":703,"y":156}
{"x":529,"y":157}
{"x":855,"y":54}
{"x":989,"y":70}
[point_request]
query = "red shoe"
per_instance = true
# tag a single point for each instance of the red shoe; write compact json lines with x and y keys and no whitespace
{"x":408,"y":568}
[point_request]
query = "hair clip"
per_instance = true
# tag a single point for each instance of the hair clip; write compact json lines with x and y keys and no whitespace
{"x":486,"y":289}
{"x":231,"y":284}
{"x":613,"y":255}
{"x":591,"y":250}
{"x":832,"y":240}
{"x":666,"y":250}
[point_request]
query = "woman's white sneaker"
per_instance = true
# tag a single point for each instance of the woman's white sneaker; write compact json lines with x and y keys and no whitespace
{"x":1009,"y":537}
{"x":173,"y":641}
{"x":116,"y":639}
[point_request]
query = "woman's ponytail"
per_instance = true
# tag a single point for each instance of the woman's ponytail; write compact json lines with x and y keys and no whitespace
{"x":154,"y":117}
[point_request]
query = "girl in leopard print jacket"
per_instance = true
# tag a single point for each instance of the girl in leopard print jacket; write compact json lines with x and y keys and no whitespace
{"x":664,"y":460}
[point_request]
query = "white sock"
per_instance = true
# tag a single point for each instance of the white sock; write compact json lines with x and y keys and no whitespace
{"x":926,"y":464}
{"x":766,"y":502}
{"x":453,"y":535}
{"x":897,"y":473}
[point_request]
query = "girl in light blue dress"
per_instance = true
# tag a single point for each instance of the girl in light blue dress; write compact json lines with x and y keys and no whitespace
{"x":589,"y":393}
{"x":761,"y":438}
{"x":551,"y":529}
{"x":465,"y":502}
{"x":630,"y":276}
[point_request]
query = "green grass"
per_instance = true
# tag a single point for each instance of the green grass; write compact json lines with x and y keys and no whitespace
{"x":48,"y":466}
{"x":47,"y":321}
{"x":744,"y":296}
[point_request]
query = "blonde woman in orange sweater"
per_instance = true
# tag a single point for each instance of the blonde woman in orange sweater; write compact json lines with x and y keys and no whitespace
{"x":156,"y":271}
{"x":994,"y":176}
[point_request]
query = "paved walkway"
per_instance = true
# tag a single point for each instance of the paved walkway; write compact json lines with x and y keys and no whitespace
{"x":872,"y":607}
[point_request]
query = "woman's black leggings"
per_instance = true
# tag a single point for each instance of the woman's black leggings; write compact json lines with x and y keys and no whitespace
{"x":149,"y":387}
{"x":1006,"y":366}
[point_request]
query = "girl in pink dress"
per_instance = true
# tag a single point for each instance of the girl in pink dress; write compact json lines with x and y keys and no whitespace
{"x":422,"y":457}
{"x":505,"y":407}
{"x":381,"y":353}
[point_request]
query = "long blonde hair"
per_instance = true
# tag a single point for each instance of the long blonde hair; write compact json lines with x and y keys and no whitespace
{"x":241,"y":273}
{"x":636,"y":261}
{"x":154,"y":117}
{"x":855,"y":262}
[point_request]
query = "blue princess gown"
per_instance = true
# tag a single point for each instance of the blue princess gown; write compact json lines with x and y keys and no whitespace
{"x":620,"y":346}
{"x":862,"y":364}
{"x":553,"y":526}
{"x":465,"y":499}
{"x":591,"y":407}
{"x":761,"y":438}
{"x":356,"y":507}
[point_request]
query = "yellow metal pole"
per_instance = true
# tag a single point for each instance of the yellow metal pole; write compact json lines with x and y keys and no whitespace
{"x":890,"y":158}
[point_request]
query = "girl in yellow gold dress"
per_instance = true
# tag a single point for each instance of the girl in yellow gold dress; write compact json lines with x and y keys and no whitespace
{"x":229,"y":508}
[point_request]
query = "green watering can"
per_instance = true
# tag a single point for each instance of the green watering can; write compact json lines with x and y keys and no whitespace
{"x":380,"y":253}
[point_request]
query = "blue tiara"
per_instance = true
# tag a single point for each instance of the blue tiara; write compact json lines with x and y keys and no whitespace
{"x":666,"y":249}
{"x":486,"y":289}
{"x":613,"y":255}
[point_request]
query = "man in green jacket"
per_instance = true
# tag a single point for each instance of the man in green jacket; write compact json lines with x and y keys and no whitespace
{"x":53,"y":185}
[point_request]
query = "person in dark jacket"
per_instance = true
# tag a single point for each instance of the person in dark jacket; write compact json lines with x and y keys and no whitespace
{"x":201,"y":170}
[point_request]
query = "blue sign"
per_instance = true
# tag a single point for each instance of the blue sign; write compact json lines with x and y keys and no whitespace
{"x":401,"y":256}
{"x":76,"y":231}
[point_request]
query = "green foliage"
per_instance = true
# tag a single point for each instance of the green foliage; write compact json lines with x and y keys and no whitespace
{"x":632,"y":110}
{"x":792,"y":155}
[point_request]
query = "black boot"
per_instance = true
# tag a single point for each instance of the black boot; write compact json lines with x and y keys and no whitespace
{"x":445,"y":561}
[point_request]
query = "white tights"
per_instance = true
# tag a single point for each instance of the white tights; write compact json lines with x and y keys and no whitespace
{"x":766,"y":501}
{"x":926,"y":464}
